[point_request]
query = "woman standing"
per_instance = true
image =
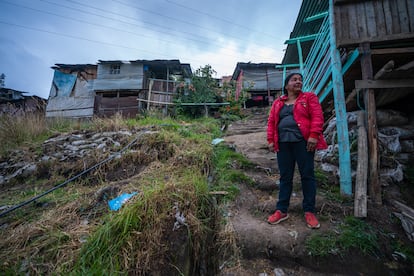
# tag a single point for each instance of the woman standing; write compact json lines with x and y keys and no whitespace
{"x":294,"y":131}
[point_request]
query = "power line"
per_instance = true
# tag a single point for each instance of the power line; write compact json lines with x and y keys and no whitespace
{"x":90,"y":23}
{"x":75,"y":37}
{"x":94,"y":41}
{"x":170,"y":17}
{"x":94,"y":24}
{"x":216,"y":17}
{"x":134,"y":19}
{"x":122,"y":21}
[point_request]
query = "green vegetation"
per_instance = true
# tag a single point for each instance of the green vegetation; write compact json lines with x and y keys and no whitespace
{"x":175,"y":161}
{"x":228,"y":170}
{"x":321,"y":177}
{"x":352,"y":234}
{"x":204,"y":88}
{"x":405,"y":250}
{"x":16,"y":131}
{"x":30,"y":130}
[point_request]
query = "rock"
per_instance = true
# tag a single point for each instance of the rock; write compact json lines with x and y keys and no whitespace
{"x":279,"y":272}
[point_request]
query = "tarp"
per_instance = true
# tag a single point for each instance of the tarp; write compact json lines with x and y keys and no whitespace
{"x":63,"y":83}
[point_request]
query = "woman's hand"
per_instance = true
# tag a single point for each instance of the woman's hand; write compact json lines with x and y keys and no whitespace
{"x":311,"y":144}
{"x":271,"y":147}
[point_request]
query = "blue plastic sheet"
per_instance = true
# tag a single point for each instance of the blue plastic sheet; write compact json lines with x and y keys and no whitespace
{"x":64,"y":83}
{"x":116,"y":203}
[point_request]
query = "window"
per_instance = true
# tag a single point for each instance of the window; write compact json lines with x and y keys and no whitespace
{"x":115,"y":69}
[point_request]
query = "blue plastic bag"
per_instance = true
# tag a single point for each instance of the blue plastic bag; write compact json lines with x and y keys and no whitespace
{"x":217,"y":141}
{"x":116,"y":203}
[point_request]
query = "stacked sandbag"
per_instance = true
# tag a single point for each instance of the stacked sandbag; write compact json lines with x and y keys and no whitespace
{"x":395,"y":143}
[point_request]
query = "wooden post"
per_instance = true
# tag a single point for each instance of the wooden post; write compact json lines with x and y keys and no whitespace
{"x":149,"y":93}
{"x":360,"y":201}
{"x":345,"y":179}
{"x":268,"y":89}
{"x":369,"y":100}
{"x":205,"y":110}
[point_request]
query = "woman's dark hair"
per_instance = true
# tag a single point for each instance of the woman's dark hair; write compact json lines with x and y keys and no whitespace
{"x":287,"y":81}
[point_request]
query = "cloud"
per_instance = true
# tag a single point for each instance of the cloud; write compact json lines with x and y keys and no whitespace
{"x":219,"y":33}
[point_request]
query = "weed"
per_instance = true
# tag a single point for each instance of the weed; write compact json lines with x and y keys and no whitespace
{"x":333,"y":193}
{"x":15,"y":131}
{"x":322,"y":245}
{"x":227,"y":165}
{"x":405,"y":250}
{"x":353,"y":234}
{"x":321,"y":177}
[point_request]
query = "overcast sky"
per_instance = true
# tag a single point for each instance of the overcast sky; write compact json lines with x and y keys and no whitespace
{"x":36,"y":34}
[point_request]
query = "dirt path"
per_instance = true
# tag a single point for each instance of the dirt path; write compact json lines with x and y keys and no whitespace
{"x":258,"y":240}
{"x":274,"y":249}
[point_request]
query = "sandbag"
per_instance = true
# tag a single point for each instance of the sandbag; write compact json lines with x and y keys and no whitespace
{"x":391,"y":118}
{"x":390,"y":143}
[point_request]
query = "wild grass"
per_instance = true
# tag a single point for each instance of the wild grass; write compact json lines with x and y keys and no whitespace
{"x":134,"y":239}
{"x":32,"y":129}
{"x":352,"y":234}
{"x":174,"y":163}
{"x":228,"y":172}
{"x":15,"y":131}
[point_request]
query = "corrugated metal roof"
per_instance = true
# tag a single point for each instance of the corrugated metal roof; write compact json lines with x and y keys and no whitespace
{"x":243,"y":66}
{"x":72,"y":66}
{"x":304,"y":28}
{"x":174,"y":65}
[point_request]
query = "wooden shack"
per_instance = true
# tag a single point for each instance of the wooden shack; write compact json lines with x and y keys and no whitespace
{"x":128,"y":87}
{"x":71,"y":93}
{"x":16,"y":103}
{"x":263,"y":82}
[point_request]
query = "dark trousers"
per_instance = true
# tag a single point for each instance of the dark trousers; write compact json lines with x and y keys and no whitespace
{"x":290,"y":153}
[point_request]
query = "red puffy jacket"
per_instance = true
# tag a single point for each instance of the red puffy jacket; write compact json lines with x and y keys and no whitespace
{"x":307,"y":113}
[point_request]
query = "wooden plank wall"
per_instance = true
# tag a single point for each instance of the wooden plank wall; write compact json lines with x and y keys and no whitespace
{"x":373,"y":21}
{"x":162,"y":92}
{"x":108,"y":106}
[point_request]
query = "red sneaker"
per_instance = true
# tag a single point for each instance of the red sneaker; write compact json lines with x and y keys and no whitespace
{"x":277,"y":217}
{"x":311,"y":220}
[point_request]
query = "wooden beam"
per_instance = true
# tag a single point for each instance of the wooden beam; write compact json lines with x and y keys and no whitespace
{"x":387,"y":68}
{"x":375,"y":84}
{"x":387,"y":51}
{"x":155,"y":102}
{"x":315,"y":17}
{"x":369,"y":100}
{"x":301,"y":39}
{"x":347,"y":42}
{"x":360,"y":201}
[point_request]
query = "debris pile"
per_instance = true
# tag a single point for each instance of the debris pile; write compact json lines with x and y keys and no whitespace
{"x":65,"y":147}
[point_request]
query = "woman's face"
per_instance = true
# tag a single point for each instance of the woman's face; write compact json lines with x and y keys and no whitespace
{"x":294,"y":84}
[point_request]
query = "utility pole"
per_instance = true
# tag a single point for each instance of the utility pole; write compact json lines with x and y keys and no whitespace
{"x":2,"y":80}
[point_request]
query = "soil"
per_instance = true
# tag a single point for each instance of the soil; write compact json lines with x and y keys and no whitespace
{"x":280,"y":249}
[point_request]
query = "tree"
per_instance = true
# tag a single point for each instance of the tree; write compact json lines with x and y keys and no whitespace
{"x":202,"y":89}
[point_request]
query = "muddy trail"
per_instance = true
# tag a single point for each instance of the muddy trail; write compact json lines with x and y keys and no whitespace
{"x":266,"y":249}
